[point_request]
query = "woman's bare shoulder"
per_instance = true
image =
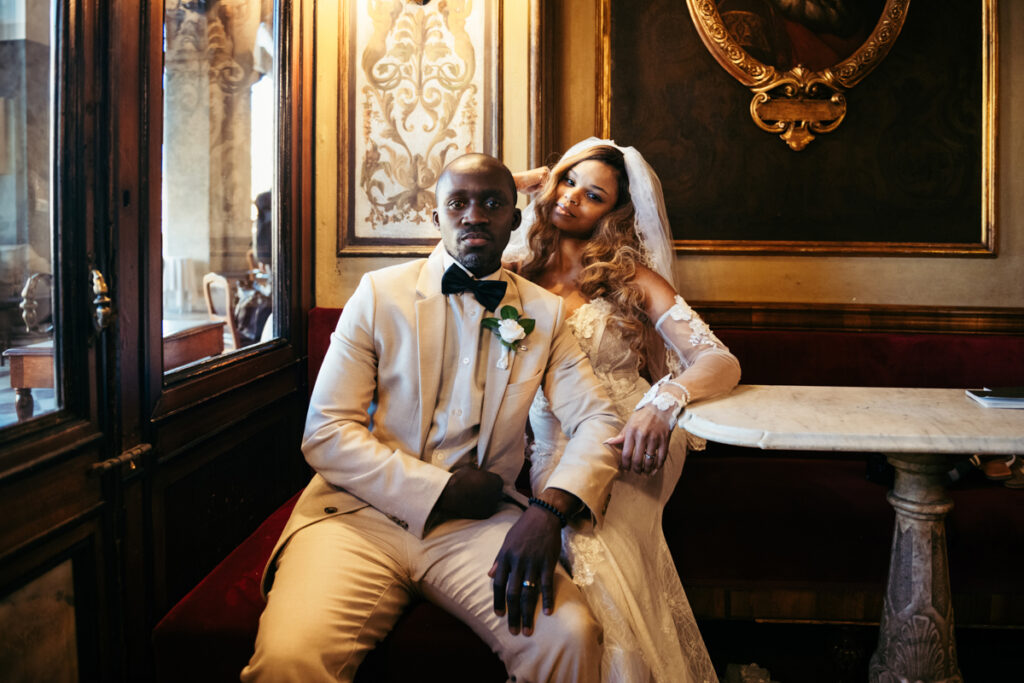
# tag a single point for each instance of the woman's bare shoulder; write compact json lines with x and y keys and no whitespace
{"x":659,"y":294}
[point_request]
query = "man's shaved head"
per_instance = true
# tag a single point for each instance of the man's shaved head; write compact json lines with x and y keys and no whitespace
{"x":476,"y":211}
{"x":472,"y":162}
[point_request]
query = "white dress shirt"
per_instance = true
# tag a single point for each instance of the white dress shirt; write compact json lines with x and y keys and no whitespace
{"x":455,"y":427}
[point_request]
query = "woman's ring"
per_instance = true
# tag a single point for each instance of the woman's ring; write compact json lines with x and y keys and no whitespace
{"x":529,"y":585}
{"x":648,"y":456}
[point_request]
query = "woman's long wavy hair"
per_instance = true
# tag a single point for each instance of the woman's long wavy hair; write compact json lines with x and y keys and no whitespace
{"x":611,"y":255}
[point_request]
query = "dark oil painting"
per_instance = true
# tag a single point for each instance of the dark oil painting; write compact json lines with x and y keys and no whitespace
{"x":903,"y":168}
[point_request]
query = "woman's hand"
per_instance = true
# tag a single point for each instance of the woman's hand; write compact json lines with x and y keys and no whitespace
{"x":647,"y":433}
{"x":531,"y":181}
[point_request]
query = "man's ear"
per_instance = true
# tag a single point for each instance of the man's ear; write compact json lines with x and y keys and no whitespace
{"x":516,"y":220}
{"x":435,"y":220}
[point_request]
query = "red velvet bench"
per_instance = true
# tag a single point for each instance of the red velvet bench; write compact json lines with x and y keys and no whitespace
{"x":209,"y":634}
{"x":745,"y":526}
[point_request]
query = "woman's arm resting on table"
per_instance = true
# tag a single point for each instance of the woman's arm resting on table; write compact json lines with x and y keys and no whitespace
{"x":708,"y":369}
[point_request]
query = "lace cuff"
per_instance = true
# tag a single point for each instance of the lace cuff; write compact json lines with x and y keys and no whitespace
{"x":666,"y":401}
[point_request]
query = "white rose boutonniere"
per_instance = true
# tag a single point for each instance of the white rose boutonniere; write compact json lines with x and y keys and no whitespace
{"x":511,"y":329}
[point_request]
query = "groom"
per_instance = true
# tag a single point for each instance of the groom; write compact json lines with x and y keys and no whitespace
{"x":419,"y":499}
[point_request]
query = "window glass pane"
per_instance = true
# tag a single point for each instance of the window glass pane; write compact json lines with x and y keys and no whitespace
{"x":26,"y":272}
{"x":219,"y":154}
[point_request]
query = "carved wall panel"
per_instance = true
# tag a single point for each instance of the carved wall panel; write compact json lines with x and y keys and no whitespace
{"x":418,"y":87}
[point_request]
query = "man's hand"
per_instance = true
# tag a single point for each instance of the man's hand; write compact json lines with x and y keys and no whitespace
{"x":470,"y":494}
{"x":527,"y":561}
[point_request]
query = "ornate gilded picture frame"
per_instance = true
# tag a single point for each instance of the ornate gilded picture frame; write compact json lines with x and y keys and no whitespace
{"x":418,"y":85}
{"x":909,"y":172}
{"x":798,"y":58}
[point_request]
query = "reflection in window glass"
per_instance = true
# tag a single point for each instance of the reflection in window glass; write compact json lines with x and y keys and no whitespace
{"x":26,"y":274}
{"x":218,"y":169}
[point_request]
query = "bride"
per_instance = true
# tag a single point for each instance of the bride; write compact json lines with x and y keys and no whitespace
{"x":596,"y":234}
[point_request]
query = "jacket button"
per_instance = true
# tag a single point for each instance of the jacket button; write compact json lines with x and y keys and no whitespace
{"x":330,"y":510}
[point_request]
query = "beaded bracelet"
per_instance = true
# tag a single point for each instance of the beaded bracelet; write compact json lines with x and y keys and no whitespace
{"x":666,"y":401}
{"x":686,"y":392}
{"x":550,"y":508}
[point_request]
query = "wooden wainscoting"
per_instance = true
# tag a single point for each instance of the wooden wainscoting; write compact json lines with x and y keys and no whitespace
{"x":862,"y":317}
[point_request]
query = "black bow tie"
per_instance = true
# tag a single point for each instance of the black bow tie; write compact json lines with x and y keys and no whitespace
{"x":488,"y":292}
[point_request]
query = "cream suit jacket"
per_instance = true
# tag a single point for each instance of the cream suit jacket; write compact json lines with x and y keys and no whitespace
{"x":387,"y":347}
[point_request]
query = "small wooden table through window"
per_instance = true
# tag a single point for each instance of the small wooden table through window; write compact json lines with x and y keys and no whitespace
{"x":185,"y":341}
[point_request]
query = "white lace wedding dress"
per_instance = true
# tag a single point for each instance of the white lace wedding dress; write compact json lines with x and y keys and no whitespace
{"x":624,"y":568}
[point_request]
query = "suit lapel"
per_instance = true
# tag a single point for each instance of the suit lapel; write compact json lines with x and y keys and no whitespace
{"x":497,"y":379}
{"x":431,"y":309}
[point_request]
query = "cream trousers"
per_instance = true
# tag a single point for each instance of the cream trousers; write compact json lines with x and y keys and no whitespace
{"x":342,"y":583}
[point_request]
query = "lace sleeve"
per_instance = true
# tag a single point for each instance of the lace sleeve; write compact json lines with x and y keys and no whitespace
{"x":702,"y":364}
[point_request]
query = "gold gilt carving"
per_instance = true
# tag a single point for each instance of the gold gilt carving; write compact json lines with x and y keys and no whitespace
{"x":418,"y":98}
{"x":798,"y":103}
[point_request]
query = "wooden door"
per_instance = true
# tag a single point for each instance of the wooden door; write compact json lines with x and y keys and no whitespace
{"x":58,"y":590}
{"x":136,"y":473}
{"x":223,"y":432}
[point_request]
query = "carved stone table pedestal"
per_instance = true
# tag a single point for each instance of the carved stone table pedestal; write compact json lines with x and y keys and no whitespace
{"x":915,"y":638}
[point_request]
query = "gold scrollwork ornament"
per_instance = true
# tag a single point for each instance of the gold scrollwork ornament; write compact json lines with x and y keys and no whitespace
{"x":798,"y":106}
{"x":800,"y":103}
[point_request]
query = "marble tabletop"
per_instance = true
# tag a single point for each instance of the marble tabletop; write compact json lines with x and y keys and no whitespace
{"x":885,"y":420}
